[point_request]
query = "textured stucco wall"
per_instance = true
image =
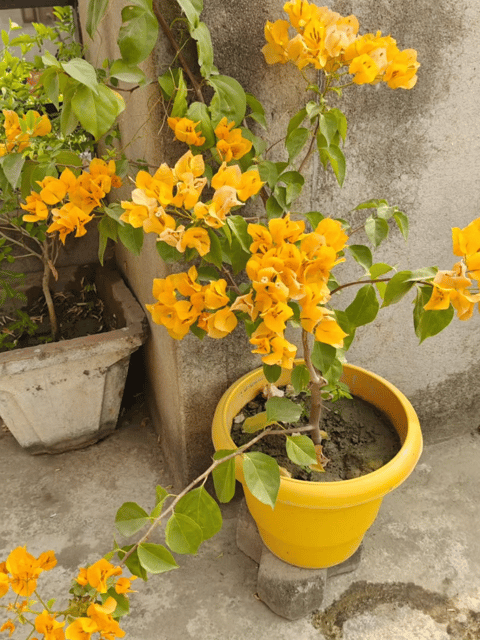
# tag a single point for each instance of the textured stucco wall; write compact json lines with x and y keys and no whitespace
{"x":419,"y":149}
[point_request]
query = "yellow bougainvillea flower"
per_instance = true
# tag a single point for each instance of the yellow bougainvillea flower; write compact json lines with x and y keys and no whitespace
{"x":333,"y":233}
{"x":158,"y":221}
{"x":8,"y":626}
{"x":184,"y":130}
{"x":82,"y":577}
{"x":53,"y":190}
{"x":401,"y":72}
{"x":123,"y":585}
{"x":466,"y":241}
{"x":250,"y":184}
{"x":245,"y":304}
{"x":4,"y":584}
{"x":139,"y":209}
{"x":106,"y":625}
{"x":285,"y":229}
{"x":231,"y":144}
{"x":100,"y":572}
{"x":275,"y":318}
{"x":276,"y":35}
{"x":38,"y":210}
{"x":329,"y":332}
{"x":473,"y":265}
{"x":301,"y":12}
{"x":43,"y":126}
{"x":81,"y":629}
{"x":24,"y":571}
{"x":216,"y":294}
{"x":340,"y":35}
{"x":47,"y":560}
{"x":450,"y":287}
{"x":195,"y":238}
{"x":51,"y":628}
{"x":189,"y":164}
{"x":364,"y":69}
{"x":283,"y":353}
{"x":220,"y":323}
{"x":68,"y":219}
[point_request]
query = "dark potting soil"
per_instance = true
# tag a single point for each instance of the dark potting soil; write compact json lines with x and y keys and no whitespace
{"x":79,"y":314}
{"x":360,"y":440}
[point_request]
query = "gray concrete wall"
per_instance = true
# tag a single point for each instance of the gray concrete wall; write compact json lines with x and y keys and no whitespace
{"x":420,"y":149}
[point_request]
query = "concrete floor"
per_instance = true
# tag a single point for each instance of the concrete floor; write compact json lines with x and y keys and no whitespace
{"x":419,"y":577}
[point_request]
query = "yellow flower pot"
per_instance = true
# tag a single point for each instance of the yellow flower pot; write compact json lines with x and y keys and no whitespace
{"x":321,"y":524}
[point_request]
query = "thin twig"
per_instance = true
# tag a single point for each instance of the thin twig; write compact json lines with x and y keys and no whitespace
{"x":204,"y":476}
{"x":173,"y":42}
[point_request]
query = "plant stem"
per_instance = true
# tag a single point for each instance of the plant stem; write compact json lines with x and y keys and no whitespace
{"x":173,"y":42}
{"x":47,"y":270}
{"x":316,"y":383}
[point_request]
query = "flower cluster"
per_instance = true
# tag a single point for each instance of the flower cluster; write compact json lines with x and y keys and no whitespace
{"x":18,"y":132}
{"x":205,"y":305}
{"x":77,"y":195}
{"x":168,"y":203}
{"x":329,"y":41}
{"x":453,"y":287}
{"x":286,"y":266}
{"x":91,"y":611}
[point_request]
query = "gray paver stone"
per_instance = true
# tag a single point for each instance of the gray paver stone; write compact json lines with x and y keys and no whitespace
{"x":291,"y":592}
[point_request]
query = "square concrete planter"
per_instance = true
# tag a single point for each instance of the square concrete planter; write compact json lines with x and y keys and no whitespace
{"x":66,"y":395}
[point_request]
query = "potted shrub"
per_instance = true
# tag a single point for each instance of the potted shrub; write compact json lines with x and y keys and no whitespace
{"x":54,"y":187}
{"x":278,"y":268}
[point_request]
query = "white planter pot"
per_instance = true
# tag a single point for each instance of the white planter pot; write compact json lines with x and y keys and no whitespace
{"x":67,"y":394}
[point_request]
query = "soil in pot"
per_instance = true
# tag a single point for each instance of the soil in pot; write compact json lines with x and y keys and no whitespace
{"x":360,"y":440}
{"x":79,"y":314}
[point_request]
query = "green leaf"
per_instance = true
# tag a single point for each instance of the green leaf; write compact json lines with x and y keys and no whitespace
{"x":362,"y":255}
{"x":294,"y":181}
{"x":314,"y":217}
{"x":283,"y":410}
{"x":273,"y":208}
{"x":97,"y":113}
{"x":376,"y":230}
{"x":138,"y":34}
{"x":199,"y":505}
{"x":12,"y":165}
{"x":402,"y":223}
{"x":50,"y":61}
{"x":107,"y":228}
{"x":68,"y":119}
{"x":379,"y":269}
{"x":296,"y":121}
{"x":192,"y":9}
{"x":256,"y":422}
{"x":345,"y":324}
{"x":337,"y":161}
{"x":300,"y":450}
{"x":198,"y":112}
{"x":397,"y":287}
{"x":370,"y":204}
{"x":201,"y":34}
{"x":130,"y":518}
{"x":341,"y":122}
{"x":365,"y":306}
{"x":262,"y":476}
{"x":95,"y":11}
{"x":51,"y":84}
{"x":182,"y":534}
{"x":257,"y":110}
{"x":224,"y":476}
{"x":429,"y":323}
{"x":215,"y":254}
{"x":426,"y":273}
{"x":272,"y":372}
{"x":155,"y":558}
{"x":133,"y":562}
{"x":127,"y":72}
{"x":83,"y":72}
{"x":300,"y":378}
{"x":123,"y":605}
{"x":323,"y":356}
{"x":239,"y":226}
{"x":179,"y":107}
{"x":295,"y":142}
{"x":168,"y":253}
{"x":229,"y":99}
{"x":327,"y":124}
{"x":131,"y":238}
